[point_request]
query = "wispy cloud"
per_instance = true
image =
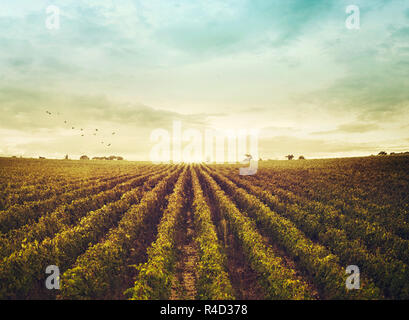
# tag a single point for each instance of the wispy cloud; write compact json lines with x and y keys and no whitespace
{"x":351,"y":128}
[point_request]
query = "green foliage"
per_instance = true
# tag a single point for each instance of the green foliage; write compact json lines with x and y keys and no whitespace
{"x":100,"y":268}
{"x":213,"y":282}
{"x":297,"y":224}
{"x":314,"y":258}
{"x":154,"y":278}
{"x":278,"y":281}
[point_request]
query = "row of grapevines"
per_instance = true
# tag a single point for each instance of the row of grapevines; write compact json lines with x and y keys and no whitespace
{"x":22,"y":270}
{"x":278,"y":281}
{"x":344,"y":191}
{"x":46,"y":180}
{"x":32,"y":193}
{"x":356,"y":225}
{"x":16,"y":175}
{"x":19,"y":215}
{"x":347,"y":195}
{"x":102,"y":268}
{"x":65,"y":216}
{"x":213,"y":281}
{"x":155,"y":276}
{"x":372,"y":234}
{"x":380,"y":181}
{"x":386,"y":272}
{"x":393,"y":213}
{"x":323,"y":266}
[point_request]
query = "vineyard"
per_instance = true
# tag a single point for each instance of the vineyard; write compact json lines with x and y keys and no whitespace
{"x":135,"y":230}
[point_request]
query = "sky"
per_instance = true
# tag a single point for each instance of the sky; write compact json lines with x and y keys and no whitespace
{"x":290,"y":69}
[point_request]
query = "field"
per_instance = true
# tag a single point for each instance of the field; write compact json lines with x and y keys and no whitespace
{"x":133,"y":230}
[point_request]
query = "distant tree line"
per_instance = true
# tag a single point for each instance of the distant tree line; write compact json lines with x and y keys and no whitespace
{"x":383,"y":153}
{"x":291,"y":157}
{"x":107,"y":158}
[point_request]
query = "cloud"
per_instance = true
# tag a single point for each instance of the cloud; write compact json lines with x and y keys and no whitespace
{"x":373,"y":95}
{"x":26,"y":110}
{"x":239,"y":26}
{"x":273,"y":131}
{"x":351,"y":128}
{"x":166,"y":31}
{"x":27,"y":129}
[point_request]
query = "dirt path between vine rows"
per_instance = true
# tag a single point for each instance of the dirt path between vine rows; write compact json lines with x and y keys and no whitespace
{"x":184,"y":283}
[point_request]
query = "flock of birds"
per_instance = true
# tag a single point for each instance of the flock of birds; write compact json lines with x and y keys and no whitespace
{"x":82,"y":130}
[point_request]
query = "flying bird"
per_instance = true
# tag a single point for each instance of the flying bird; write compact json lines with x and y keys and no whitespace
{"x":73,"y":128}
{"x":65,"y":121}
{"x":113,"y":133}
{"x":109,"y":145}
